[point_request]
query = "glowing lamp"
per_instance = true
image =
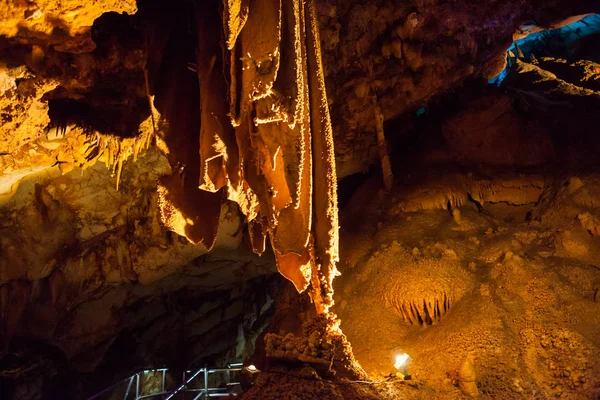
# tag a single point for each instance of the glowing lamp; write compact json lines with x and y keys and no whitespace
{"x":252,"y":369}
{"x":401,"y":360}
{"x":401,"y":364}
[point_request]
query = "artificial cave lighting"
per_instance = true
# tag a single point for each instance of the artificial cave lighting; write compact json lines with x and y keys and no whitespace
{"x":252,"y":369}
{"x":402,"y":361}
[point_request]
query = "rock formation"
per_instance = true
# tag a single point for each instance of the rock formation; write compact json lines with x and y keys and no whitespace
{"x":161,"y":161}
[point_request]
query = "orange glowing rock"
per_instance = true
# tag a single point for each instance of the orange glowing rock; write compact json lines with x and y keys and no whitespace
{"x":273,"y":154}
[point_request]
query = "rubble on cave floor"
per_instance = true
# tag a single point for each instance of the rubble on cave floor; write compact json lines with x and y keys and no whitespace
{"x":316,"y":362}
{"x":527,"y":317}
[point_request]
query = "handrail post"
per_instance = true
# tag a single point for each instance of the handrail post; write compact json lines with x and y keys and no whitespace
{"x":206,"y":397}
{"x":204,"y":393}
{"x":128,"y":387}
{"x":137,"y":386}
{"x":183,"y":385}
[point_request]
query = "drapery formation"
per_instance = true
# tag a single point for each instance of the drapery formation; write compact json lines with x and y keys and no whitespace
{"x":265,"y":139}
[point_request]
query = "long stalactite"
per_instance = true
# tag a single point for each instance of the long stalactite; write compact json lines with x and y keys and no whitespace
{"x":265,"y":138}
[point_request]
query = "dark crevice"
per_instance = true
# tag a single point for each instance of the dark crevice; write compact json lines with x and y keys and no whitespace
{"x":114,"y":103}
{"x":477,"y":204}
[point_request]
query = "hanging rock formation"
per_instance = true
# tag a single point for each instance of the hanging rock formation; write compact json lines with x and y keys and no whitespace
{"x":270,"y":149}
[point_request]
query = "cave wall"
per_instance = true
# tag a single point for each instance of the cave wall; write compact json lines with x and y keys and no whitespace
{"x":95,"y":253}
{"x":401,"y":55}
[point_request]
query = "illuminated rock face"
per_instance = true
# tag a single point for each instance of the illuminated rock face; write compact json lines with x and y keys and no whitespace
{"x":79,"y":257}
{"x":286,"y":145}
{"x":66,"y":24}
{"x":256,"y":132}
{"x":505,"y":226}
{"x":270,"y":149}
{"x":423,"y":291}
{"x":110,"y":144}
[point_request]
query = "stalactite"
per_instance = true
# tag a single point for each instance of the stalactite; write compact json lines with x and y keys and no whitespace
{"x":114,"y":151}
{"x":422,"y":311}
{"x":325,"y":199}
{"x":218,"y":150}
{"x":273,"y":154}
{"x":423,"y":290}
{"x":184,"y":208}
{"x":235,"y":14}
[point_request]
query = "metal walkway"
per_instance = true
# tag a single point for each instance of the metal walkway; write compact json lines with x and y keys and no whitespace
{"x":189,"y":389}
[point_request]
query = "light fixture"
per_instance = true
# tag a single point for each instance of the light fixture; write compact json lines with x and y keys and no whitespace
{"x":401,"y":364}
{"x":252,"y":369}
{"x":235,"y":365}
{"x":401,"y":360}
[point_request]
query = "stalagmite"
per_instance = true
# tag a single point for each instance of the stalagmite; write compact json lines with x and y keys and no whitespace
{"x":384,"y":158}
{"x":467,"y":378}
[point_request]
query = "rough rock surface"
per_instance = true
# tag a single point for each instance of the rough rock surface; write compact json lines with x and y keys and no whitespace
{"x":74,"y":244}
{"x":529,"y":319}
{"x":100,"y":101}
{"x":64,"y":25}
{"x":401,"y":55}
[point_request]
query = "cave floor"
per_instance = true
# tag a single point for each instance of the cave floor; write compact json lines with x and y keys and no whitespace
{"x":509,"y":285}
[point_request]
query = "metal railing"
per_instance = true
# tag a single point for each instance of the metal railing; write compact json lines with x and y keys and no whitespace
{"x":132,"y":390}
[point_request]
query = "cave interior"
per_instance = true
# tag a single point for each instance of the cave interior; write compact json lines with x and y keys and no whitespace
{"x":346,"y":200}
